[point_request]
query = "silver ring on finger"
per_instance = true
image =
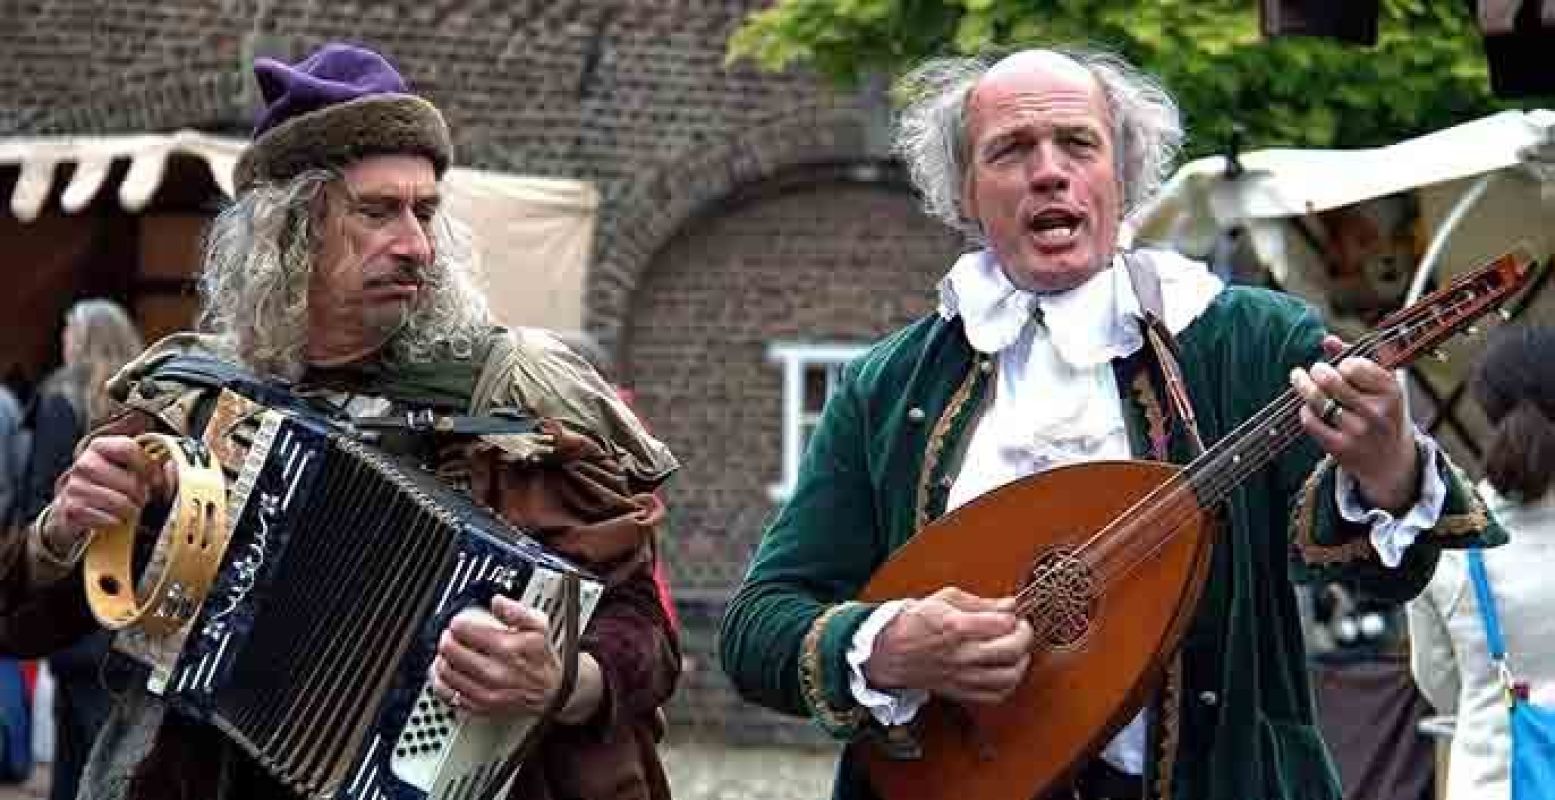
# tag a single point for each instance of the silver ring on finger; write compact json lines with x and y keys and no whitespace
{"x":1330,"y":413}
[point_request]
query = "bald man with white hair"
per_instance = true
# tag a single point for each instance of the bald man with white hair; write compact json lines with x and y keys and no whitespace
{"x":1034,"y":359}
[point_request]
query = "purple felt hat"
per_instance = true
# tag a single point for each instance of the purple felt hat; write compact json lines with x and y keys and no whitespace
{"x":338,"y":105}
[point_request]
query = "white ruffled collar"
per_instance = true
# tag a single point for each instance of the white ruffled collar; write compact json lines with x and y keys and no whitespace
{"x":1088,"y":325}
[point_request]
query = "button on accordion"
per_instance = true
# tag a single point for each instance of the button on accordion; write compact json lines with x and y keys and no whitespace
{"x":300,"y":613}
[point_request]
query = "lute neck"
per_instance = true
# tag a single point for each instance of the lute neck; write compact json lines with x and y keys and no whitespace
{"x":1210,"y":479}
{"x":1215,"y":474}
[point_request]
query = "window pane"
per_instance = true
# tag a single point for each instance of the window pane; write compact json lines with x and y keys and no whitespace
{"x":805,"y":429}
{"x":833,"y":377}
{"x":811,"y":372}
{"x":817,"y":386}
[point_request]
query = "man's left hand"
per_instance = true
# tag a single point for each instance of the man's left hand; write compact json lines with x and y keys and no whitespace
{"x":1355,"y":411}
{"x":503,"y":663}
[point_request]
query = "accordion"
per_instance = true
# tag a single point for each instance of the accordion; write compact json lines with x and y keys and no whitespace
{"x":312,"y":647}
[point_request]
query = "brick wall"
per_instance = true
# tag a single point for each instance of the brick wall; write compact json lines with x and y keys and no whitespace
{"x":817,"y":259}
{"x":824,"y":259}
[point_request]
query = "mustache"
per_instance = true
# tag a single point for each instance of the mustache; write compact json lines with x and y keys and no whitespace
{"x":404,"y":273}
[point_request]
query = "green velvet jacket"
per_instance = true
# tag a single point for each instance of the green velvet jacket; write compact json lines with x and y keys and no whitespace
{"x":878,"y":469}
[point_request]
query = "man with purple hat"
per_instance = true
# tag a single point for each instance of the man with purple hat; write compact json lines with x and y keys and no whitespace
{"x":337,"y":275}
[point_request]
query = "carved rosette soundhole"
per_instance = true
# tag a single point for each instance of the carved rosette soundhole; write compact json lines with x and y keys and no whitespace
{"x":1063,"y":599}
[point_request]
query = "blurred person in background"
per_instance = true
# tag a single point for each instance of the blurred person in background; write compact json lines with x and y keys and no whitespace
{"x":12,"y":455}
{"x":1450,"y":658}
{"x":15,"y":734}
{"x":98,"y":339}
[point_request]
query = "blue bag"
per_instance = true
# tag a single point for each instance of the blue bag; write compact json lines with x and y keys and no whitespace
{"x":1533,"y":727}
{"x":1533,"y":751}
{"x":15,"y":724}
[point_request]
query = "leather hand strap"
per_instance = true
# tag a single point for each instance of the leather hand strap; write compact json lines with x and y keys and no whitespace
{"x":191,"y":544}
{"x":571,"y":607}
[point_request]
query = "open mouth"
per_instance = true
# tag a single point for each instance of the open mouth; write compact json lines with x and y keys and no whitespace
{"x":1054,"y":227}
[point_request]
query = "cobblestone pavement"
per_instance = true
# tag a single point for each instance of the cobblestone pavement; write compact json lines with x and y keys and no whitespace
{"x":698,"y":771}
{"x":37,"y":787}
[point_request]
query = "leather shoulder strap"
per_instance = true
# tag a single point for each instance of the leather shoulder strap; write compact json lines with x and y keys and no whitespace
{"x":1147,"y":285}
{"x":214,"y":373}
{"x":1162,"y":345}
{"x":197,"y":370}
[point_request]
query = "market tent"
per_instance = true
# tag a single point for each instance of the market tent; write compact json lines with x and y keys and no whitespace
{"x":532,"y":234}
{"x":1363,"y":232}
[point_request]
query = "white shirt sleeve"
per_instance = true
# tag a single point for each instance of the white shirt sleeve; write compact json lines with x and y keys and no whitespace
{"x":1391,"y":536}
{"x":1431,"y":658}
{"x":887,"y":707}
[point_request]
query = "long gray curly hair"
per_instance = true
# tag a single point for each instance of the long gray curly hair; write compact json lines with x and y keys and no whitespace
{"x":259,"y":254}
{"x":931,"y":136}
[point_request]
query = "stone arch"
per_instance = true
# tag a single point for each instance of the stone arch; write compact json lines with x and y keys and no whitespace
{"x":648,"y":212}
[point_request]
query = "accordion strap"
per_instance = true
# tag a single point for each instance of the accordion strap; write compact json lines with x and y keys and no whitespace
{"x":193,"y":539}
{"x":499,"y":422}
{"x":214,"y":373}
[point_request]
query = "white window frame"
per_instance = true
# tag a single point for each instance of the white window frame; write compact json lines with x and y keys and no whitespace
{"x":794,"y":358}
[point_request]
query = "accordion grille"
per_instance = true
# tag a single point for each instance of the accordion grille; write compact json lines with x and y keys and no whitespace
{"x":363,"y":556}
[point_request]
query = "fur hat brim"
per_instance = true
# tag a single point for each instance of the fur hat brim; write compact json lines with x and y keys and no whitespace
{"x":337,"y":135}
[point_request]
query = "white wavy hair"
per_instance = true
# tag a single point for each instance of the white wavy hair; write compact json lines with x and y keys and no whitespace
{"x":931,"y":136}
{"x":259,"y":255}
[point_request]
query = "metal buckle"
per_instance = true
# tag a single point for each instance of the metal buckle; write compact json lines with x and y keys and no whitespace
{"x":1508,"y":683}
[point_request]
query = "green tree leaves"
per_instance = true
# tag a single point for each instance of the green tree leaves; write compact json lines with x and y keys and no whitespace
{"x":1427,"y":70}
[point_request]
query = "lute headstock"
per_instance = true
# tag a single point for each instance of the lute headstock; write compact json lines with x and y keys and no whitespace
{"x":1404,"y":335}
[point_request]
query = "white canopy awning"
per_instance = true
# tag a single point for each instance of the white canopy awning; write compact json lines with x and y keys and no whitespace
{"x":1291,"y":182}
{"x":94,"y":155}
{"x":1201,"y":198}
{"x":1482,"y":186}
{"x":533,"y":235}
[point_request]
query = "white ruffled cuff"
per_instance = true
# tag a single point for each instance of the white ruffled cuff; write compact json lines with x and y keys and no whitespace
{"x":1391,"y":536}
{"x":887,"y":707}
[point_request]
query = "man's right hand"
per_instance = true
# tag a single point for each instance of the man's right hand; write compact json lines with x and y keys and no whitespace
{"x":108,"y":484}
{"x":953,"y":644}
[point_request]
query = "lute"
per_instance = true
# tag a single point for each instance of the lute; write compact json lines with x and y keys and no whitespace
{"x":1106,"y":560}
